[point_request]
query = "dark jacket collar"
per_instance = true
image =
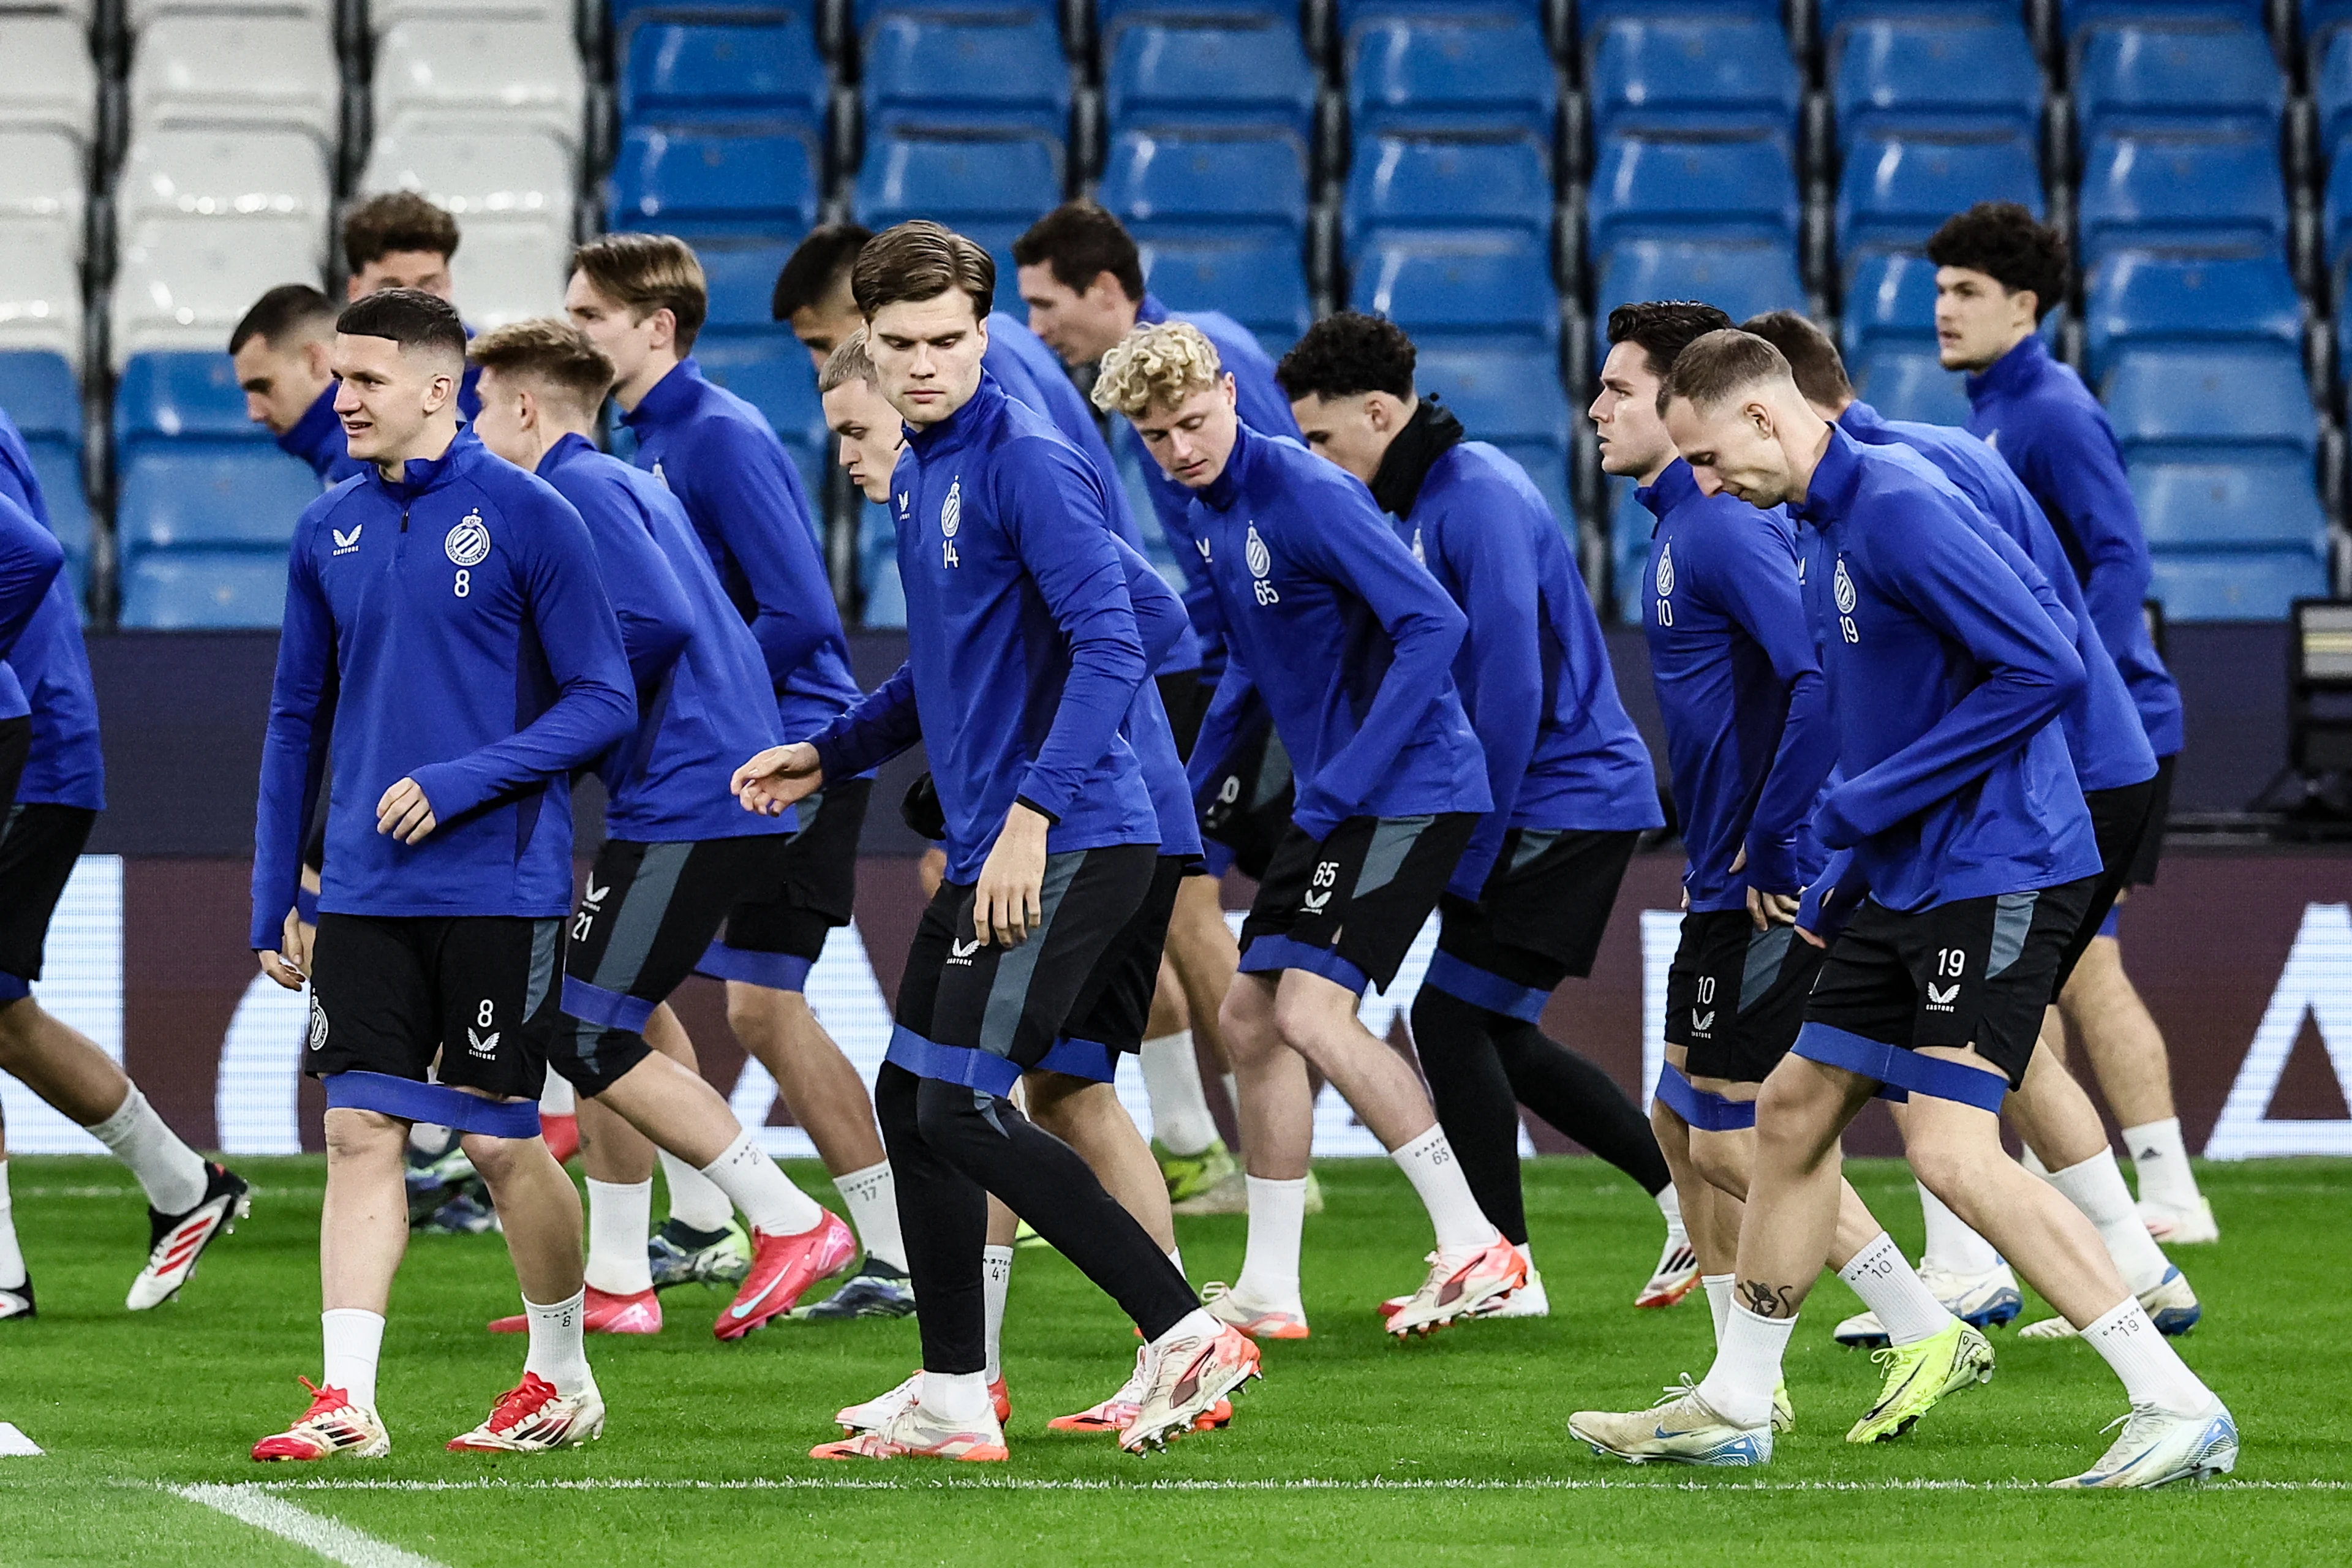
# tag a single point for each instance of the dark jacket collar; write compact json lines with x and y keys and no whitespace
{"x":421,"y":476}
{"x":1429,"y":435}
{"x":2013,"y":372}
{"x":671,"y":398}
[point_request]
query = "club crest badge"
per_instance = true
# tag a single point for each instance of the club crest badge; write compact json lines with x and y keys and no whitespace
{"x":1841,"y":587}
{"x":468,"y":543}
{"x":1666,"y":571}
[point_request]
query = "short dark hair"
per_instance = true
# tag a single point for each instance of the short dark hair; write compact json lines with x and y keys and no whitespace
{"x":397,"y":220}
{"x":817,"y":267}
{"x":552,"y":349}
{"x":1078,"y":242}
{"x":1713,"y":367}
{"x":1348,"y":354}
{"x":1662,"y":329}
{"x":643,"y":273}
{"x":921,"y":260}
{"x":409,"y":316}
{"x":290,"y":311}
{"x":2007,"y":243}
{"x":1814,"y":359}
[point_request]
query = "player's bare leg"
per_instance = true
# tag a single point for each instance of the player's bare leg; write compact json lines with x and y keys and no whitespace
{"x":1196,"y":971}
{"x":2127,"y":1051}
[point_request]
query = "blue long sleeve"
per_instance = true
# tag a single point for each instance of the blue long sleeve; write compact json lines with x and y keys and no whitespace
{"x":752,"y":484}
{"x":1769,"y":608}
{"x":293,"y":748}
{"x":1495,"y":569}
{"x":654,"y":618}
{"x":30,"y":560}
{"x":1160,"y":618}
{"x":880,"y":725}
{"x":1221,"y":724}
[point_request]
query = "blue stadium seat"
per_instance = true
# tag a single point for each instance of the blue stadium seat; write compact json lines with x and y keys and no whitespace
{"x":1674,"y":74}
{"x":1258,"y":281}
{"x":1491,"y":287}
{"x":1190,"y":181}
{"x":1113,"y":17}
{"x":2182,"y":193}
{"x":1510,"y":398}
{"x":1691,"y":188}
{"x":2322,"y":20}
{"x":741,"y":275}
{"x":1631,"y":527}
{"x":191,"y":469}
{"x":679,"y":72}
{"x":1834,"y":16}
{"x":995,"y":70}
{"x":768,"y":369}
{"x":877,"y":568}
{"x":1242,"y":72}
{"x":2138,"y":299}
{"x":2240,"y":400}
{"x":1454,"y":182}
{"x":866,"y":14}
{"x":1896,"y":191}
{"x":1890,"y":297}
{"x":2331,"y":92}
{"x":1592,"y":16}
{"x":2266,"y":503}
{"x":628,"y":16}
{"x":989,"y":188}
{"x":2074,"y":15}
{"x":193,"y":590}
{"x":697,"y":183}
{"x":1740,"y":278}
{"x":2236,"y":586}
{"x":1929,"y":75}
{"x":2143,"y":78}
{"x":181,"y":397}
{"x":1910,"y":382}
{"x":1452,"y":73}
{"x":37,"y":390}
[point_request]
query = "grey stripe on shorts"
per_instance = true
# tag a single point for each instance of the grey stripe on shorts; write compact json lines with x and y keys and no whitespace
{"x":1766,"y":954}
{"x":1392,"y":841}
{"x":1008,"y":989}
{"x":639,"y":920}
{"x":546,"y":948}
{"x":2012,"y":918}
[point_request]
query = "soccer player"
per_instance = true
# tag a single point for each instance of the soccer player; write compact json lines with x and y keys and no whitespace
{"x":402,"y":241}
{"x":1999,"y":271}
{"x":2118,"y":771}
{"x":1962,"y":860}
{"x":282,"y":349}
{"x":1025,"y":653}
{"x":1350,"y":645}
{"x":641,"y":299}
{"x":60,"y":788}
{"x":447,"y":642}
{"x":813,"y":295}
{"x":678,"y":852}
{"x":1572,"y":784}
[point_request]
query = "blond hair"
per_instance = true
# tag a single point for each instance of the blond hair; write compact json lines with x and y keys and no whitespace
{"x":1161,"y":365}
{"x":553,"y":351}
{"x":848,"y":362}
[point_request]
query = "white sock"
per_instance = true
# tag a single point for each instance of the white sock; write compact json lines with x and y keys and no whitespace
{"x":2161,"y":1161}
{"x":1277,"y":1213}
{"x":557,"y":1098}
{"x":995,"y":1283}
{"x":173,"y":1174}
{"x":1180,"y":1123}
{"x":428,"y":1138}
{"x":872,"y":1198}
{"x":957,"y":1398}
{"x":12,"y":1257}
{"x":2152,"y":1371}
{"x":354,"y":1343}
{"x":1429,"y":1164}
{"x":1670,"y":1204}
{"x":558,"y":1352}
{"x":758,"y":1186}
{"x":694,"y":1201}
{"x":1747,"y":1367}
{"x":1719,"y":1301}
{"x":620,"y":1213}
{"x":1176,"y":1256}
{"x":1951,"y":1245}
{"x":1196,"y":1321}
{"x":2097,"y":1187}
{"x":1889,"y":1287}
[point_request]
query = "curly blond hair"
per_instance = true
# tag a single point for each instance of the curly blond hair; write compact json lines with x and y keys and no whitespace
{"x":1159,"y":365}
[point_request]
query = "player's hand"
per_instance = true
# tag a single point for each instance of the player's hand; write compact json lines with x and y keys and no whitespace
{"x":1009,"y":902}
{"x":404,"y":813}
{"x":777,"y":777}
{"x":1809,"y":936}
{"x":1770,"y":910}
{"x":292,"y":962}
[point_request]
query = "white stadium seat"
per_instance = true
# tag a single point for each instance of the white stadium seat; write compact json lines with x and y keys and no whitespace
{"x":41,"y":182}
{"x":40,"y":292}
{"x":142,"y":13}
{"x":184,"y":282}
{"x":49,"y":77}
{"x":508,"y":271}
{"x":385,"y":15}
{"x":232,"y":176}
{"x":485,"y":174}
{"x":260,"y":71}
{"x":479,"y":76}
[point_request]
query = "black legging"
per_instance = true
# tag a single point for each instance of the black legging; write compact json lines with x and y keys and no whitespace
{"x":1482,"y":1065}
{"x":949,"y":1147}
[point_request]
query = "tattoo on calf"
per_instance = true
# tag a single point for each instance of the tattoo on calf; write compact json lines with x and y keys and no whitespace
{"x":1769,"y":1301}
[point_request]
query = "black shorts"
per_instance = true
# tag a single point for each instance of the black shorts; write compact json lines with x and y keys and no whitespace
{"x":643,"y":922}
{"x":16,"y":749}
{"x":777,"y":933}
{"x":388,"y":994}
{"x":1539,"y":920}
{"x":2120,"y":821}
{"x":1975,"y":972}
{"x":970,"y":1012}
{"x":2150,"y":848}
{"x":1248,"y":813}
{"x":1346,"y":908}
{"x":1092,"y":1041}
{"x":1736,"y":996}
{"x":1185,"y":696}
{"x":38,"y":849}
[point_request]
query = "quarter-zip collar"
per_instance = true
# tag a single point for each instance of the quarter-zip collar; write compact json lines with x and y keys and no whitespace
{"x":421,"y":476}
{"x":671,"y":398}
{"x":2013,"y":372}
{"x":566,"y":449}
{"x":1150,"y":312}
{"x":1862,"y":422}
{"x":1836,"y":479}
{"x":979,"y":412}
{"x":1677,"y":484}
{"x":317,"y":427}
{"x":1226,"y":487}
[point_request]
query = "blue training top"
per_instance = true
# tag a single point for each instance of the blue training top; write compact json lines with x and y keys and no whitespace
{"x":449,"y":627}
{"x":703,"y":706}
{"x":67,"y":766}
{"x":1749,"y":737}
{"x":2038,"y":415}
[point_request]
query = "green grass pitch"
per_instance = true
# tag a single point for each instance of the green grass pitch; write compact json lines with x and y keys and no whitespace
{"x":1354,"y":1450}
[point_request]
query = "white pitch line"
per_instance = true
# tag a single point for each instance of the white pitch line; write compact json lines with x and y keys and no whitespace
{"x":250,"y":1503}
{"x":1373,"y":1484}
